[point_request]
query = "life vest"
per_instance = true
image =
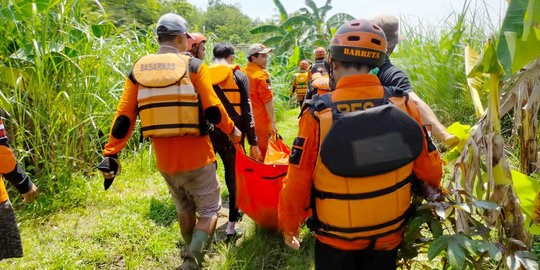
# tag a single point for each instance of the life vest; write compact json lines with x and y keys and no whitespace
{"x":301,"y":82}
{"x":226,"y":87}
{"x":321,"y":85}
{"x":167,"y":101}
{"x":318,"y":67}
{"x":364,"y":167}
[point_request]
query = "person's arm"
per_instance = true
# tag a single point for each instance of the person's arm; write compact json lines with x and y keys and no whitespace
{"x":293,"y":87}
{"x":12,"y":171}
{"x":428,"y":166}
{"x":429,"y":117}
{"x":394,"y":76}
{"x":213,"y":109}
{"x":264,"y":89}
{"x":247,"y":115}
{"x":296,"y":192}
{"x":123,"y":124}
{"x":124,"y":120}
{"x":247,"y":111}
{"x":269,"y":107}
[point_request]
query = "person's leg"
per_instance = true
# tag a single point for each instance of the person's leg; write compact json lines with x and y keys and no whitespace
{"x":263,"y":135}
{"x":204,"y":187}
{"x":225,"y":149}
{"x":10,"y":238}
{"x":185,"y":206}
{"x":379,"y":259}
{"x":328,"y":257}
{"x":187,"y":221}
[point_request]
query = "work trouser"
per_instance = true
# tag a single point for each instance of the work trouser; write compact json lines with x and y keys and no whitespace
{"x":328,"y":257}
{"x":10,"y":238}
{"x":225,"y":149}
{"x":263,"y":136}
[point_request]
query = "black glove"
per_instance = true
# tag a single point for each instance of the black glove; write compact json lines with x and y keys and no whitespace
{"x":108,"y":165}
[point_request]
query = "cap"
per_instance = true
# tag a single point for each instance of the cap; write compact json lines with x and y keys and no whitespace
{"x":390,"y":26}
{"x":172,"y":24}
{"x":258,"y":48}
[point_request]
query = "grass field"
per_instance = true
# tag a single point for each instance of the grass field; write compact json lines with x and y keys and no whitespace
{"x":133,"y":225}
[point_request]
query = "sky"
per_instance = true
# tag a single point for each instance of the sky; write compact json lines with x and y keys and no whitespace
{"x":425,"y":11}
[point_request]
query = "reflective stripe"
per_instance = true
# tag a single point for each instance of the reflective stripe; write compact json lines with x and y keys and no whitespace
{"x":168,"y":104}
{"x":403,"y":216}
{"x":362,"y":196}
{"x":169,"y":90}
{"x":170,"y":126}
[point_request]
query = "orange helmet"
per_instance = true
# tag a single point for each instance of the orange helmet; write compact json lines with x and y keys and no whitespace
{"x":320,"y":52}
{"x":359,"y":41}
{"x":303,"y":64}
{"x":197,"y":38}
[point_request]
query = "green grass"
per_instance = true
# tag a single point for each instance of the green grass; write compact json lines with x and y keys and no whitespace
{"x":133,"y":225}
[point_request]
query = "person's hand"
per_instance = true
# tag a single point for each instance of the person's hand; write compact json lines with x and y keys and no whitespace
{"x":431,"y":193}
{"x":236,"y":135}
{"x":110,"y":167}
{"x":30,"y":195}
{"x":292,"y":241}
{"x":451,"y":140}
{"x":255,"y":152}
{"x":274,"y":128}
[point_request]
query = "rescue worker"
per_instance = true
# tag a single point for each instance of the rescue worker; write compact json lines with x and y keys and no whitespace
{"x":319,"y":65}
{"x":260,"y":92}
{"x":356,"y":180}
{"x":390,"y":75}
{"x":300,"y":82}
{"x":10,"y":238}
{"x":232,"y":87}
{"x":319,"y":85}
{"x":196,"y":45}
{"x":173,"y":96}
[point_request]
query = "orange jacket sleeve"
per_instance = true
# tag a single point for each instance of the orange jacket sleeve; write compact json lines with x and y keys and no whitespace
{"x":296,"y":192}
{"x":124,"y":120}
{"x":264,"y":89}
{"x":428,"y":166}
{"x":203,"y":83}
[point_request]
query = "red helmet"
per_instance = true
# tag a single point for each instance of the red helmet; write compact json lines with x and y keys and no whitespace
{"x":197,"y":38}
{"x":303,"y":64}
{"x":320,"y":52}
{"x":359,"y":41}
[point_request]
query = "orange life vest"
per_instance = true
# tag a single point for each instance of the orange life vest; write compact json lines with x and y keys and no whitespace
{"x":167,"y":101}
{"x":223,"y":82}
{"x":364,"y":167}
{"x":321,"y":85}
{"x":301,"y":82}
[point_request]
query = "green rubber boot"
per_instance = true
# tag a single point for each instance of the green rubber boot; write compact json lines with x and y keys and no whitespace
{"x":197,"y":245}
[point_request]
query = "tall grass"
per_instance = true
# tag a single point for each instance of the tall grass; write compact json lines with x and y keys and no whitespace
{"x":60,"y":81}
{"x":433,"y":57}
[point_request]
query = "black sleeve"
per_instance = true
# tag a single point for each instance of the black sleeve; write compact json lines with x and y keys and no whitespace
{"x":247,"y":114}
{"x":17,"y":177}
{"x":194,"y":64}
{"x":390,"y":75}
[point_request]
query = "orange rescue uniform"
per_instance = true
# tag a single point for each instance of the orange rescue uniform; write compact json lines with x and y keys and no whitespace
{"x":296,"y":193}
{"x":260,"y":93}
{"x":174,"y":154}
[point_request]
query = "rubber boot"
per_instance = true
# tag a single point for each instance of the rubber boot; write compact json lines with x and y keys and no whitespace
{"x":197,"y":245}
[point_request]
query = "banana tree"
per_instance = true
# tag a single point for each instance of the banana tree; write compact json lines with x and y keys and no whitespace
{"x":512,"y":62}
{"x":298,"y":33}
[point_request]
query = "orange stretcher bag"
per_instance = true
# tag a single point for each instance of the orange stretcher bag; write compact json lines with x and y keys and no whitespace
{"x":258,"y":184}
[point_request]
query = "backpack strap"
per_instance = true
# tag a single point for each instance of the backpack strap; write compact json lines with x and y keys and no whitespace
{"x":317,"y":104}
{"x":394,"y":91}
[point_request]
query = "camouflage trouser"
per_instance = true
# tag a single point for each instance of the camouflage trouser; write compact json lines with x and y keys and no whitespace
{"x":10,"y":239}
